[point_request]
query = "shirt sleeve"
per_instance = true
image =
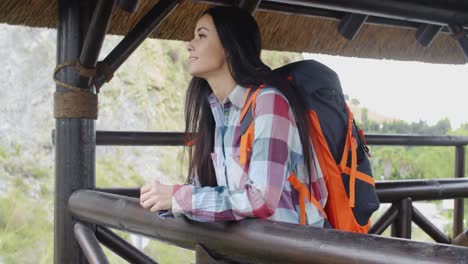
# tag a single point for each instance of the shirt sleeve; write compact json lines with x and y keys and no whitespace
{"x":269,"y":166}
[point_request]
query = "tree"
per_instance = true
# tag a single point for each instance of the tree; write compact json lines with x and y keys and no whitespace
{"x":355,"y":102}
{"x":442,"y":127}
{"x":364,"y":115}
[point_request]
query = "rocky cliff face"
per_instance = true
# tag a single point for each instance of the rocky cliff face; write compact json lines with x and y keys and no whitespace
{"x":146,"y":94}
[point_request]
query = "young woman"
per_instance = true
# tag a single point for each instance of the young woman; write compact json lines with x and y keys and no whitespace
{"x":224,"y":60}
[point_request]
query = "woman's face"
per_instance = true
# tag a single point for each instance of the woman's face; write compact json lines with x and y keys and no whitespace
{"x":206,"y":52}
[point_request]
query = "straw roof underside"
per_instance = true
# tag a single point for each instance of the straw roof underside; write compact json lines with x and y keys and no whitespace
{"x":280,"y":32}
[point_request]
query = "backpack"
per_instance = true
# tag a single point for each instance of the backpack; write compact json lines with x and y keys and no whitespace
{"x":339,"y":145}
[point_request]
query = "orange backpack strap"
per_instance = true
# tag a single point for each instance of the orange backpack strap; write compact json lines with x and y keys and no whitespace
{"x":246,"y":122}
{"x":191,"y":142}
{"x":304,"y":194}
{"x":351,"y":146}
{"x":247,"y":132}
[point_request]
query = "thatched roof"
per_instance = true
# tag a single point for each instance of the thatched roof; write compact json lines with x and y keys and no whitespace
{"x":280,"y":31}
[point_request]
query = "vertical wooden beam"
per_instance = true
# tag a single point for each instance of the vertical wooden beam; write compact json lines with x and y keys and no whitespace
{"x":402,"y":225}
{"x":75,"y":137}
{"x":458,"y":210}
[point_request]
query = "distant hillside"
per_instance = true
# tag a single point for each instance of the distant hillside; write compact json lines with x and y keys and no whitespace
{"x":146,"y":94}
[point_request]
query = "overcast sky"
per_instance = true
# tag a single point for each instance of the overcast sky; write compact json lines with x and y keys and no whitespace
{"x":411,"y":91}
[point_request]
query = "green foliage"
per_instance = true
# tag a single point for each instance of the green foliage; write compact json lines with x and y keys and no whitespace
{"x":396,"y":163}
{"x":25,"y":229}
{"x":157,"y":250}
{"x":461,"y":131}
{"x":355,"y":102}
{"x":442,"y":127}
{"x":146,"y":94}
{"x":393,"y":163}
{"x":113,"y":171}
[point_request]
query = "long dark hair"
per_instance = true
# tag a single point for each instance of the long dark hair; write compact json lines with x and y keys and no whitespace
{"x":241,"y":40}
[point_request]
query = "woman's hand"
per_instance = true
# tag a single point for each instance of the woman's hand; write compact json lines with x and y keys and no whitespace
{"x":156,"y":196}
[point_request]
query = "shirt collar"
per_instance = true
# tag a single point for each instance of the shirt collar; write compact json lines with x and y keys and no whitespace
{"x":236,"y":97}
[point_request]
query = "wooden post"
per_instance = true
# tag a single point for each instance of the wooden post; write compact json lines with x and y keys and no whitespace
{"x":458,"y":210}
{"x":75,"y":137}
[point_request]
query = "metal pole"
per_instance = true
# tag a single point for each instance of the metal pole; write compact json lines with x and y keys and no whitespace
{"x":121,"y":247}
{"x":429,"y":228}
{"x":95,"y":36}
{"x":75,"y":137}
{"x":394,"y":191}
{"x":129,"y":192}
{"x":388,"y":191}
{"x":122,"y":138}
{"x":131,"y":138}
{"x":177,"y":138}
{"x":458,"y":210}
{"x":136,"y":36}
{"x":402,"y":225}
{"x":89,"y":244}
{"x":416,"y":140}
{"x":256,"y":240}
{"x":384,"y":221}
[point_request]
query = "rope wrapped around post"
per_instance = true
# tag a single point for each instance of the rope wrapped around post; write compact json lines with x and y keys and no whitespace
{"x":78,"y":102}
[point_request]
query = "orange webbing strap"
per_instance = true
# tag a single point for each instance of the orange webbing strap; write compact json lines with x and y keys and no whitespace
{"x":304,"y":194}
{"x":352,"y":174}
{"x":191,"y":139}
{"x":324,"y":156}
{"x":191,"y":142}
{"x":251,"y":101}
{"x":247,"y":137}
{"x":361,"y":176}
{"x":246,"y":144}
{"x":350,"y":145}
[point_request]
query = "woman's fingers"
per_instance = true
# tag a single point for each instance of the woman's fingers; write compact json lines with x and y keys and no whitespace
{"x":145,"y":188}
{"x":146,"y":196}
{"x":155,"y":208}
{"x":150,"y":190}
{"x":149,"y":195}
{"x":150,"y":202}
{"x":156,"y":196}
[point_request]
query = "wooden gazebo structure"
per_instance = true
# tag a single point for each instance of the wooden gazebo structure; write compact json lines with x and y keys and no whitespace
{"x":422,"y":30}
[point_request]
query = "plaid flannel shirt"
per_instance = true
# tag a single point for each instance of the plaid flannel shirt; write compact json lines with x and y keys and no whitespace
{"x":260,"y":187}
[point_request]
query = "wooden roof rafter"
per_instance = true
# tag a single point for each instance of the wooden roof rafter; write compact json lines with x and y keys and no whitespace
{"x":447,"y":17}
{"x":415,"y":30}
